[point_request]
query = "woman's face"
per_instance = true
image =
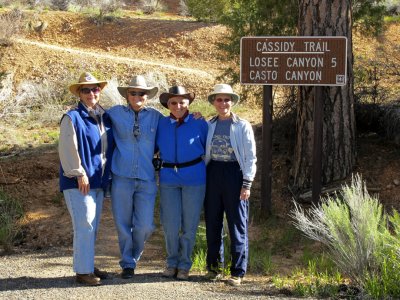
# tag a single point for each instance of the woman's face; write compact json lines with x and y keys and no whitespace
{"x":178,"y":106}
{"x":136,"y":98}
{"x":223,"y":104}
{"x":89,"y":94}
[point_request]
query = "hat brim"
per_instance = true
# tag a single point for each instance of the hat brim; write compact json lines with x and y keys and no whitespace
{"x":235,"y":97}
{"x":151,"y":91}
{"x":164,"y":97}
{"x":74,"y":88}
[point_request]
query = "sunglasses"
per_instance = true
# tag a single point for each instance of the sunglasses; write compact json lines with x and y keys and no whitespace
{"x":226,"y":100}
{"x":95,"y":90}
{"x":176,"y":103}
{"x":140,"y":94}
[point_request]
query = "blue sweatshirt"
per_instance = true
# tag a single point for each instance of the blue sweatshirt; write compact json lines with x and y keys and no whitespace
{"x":180,"y":144}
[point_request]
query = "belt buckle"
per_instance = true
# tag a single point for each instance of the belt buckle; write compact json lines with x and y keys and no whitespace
{"x":176,"y":169}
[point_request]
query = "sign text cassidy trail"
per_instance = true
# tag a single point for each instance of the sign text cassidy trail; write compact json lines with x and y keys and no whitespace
{"x":293,"y":60}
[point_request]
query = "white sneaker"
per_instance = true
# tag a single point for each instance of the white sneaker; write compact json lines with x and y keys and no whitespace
{"x":213,"y":276}
{"x":234,"y":280}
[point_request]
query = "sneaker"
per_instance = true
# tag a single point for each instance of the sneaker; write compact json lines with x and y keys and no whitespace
{"x":100,"y":274}
{"x":88,"y":279}
{"x":213,"y":276}
{"x":234,"y":280}
{"x":182,"y":274}
{"x":169,"y":272}
{"x":127,"y":273}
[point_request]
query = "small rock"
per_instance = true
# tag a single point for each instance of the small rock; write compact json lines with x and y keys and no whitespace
{"x":396,"y":182}
{"x":389,"y":186}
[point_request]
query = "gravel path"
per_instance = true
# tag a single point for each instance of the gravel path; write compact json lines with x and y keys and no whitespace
{"x":48,"y":274}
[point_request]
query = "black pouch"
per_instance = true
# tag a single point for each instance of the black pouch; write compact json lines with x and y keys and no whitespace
{"x":157,"y":163}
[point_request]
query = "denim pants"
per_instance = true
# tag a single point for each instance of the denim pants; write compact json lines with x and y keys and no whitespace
{"x":224,"y":182}
{"x":85,"y":211}
{"x":133,"y":210}
{"x":180,"y":213}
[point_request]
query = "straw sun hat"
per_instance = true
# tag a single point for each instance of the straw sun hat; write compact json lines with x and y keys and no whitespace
{"x":85,"y":79}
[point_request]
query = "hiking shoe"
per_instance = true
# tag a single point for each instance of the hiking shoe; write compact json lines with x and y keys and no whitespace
{"x":169,"y":272}
{"x":182,"y":274}
{"x":213,"y":276}
{"x":88,"y":279}
{"x":127,"y":273}
{"x":100,"y":274}
{"x":234,"y":280}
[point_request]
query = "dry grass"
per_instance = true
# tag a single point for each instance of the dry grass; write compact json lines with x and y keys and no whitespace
{"x":10,"y":25}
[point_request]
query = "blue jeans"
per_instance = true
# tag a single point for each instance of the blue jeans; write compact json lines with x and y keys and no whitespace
{"x":224,"y":182}
{"x":85,"y":211}
{"x":180,"y":213}
{"x":133,"y":209}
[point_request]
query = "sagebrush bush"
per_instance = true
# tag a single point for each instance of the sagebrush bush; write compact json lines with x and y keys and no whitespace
{"x":353,"y":226}
{"x":10,"y":25}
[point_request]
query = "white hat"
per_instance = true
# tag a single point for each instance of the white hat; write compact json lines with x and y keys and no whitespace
{"x":138,"y":82}
{"x":223,"y":88}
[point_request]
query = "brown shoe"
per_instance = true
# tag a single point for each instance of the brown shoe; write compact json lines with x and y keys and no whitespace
{"x":101,"y":274}
{"x":169,"y":272}
{"x":88,"y":279}
{"x":182,"y":274}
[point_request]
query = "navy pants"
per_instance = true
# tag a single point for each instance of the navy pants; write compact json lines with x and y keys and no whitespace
{"x":224,"y":182}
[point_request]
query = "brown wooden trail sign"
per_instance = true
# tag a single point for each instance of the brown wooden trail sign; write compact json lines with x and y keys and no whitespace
{"x":312,"y":60}
{"x":293,"y":60}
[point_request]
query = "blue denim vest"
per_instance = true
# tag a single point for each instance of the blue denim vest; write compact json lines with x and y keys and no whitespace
{"x":89,"y":149}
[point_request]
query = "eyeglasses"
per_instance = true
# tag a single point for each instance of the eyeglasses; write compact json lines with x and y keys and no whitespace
{"x":176,"y":103}
{"x":140,"y":94}
{"x":95,"y":90}
{"x":226,"y":100}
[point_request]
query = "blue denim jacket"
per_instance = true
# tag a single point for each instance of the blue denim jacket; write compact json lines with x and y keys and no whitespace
{"x":133,"y":156}
{"x":243,"y":144}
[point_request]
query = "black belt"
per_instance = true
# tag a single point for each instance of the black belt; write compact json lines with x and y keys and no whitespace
{"x":182,"y":165}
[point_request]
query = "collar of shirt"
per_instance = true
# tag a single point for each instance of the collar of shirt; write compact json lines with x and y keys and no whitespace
{"x":97,"y":111}
{"x":184,"y":118}
{"x":129,"y":108}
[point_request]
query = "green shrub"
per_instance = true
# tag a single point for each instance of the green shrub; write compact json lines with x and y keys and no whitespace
{"x":10,"y":212}
{"x":354,"y":228}
{"x":208,"y":10}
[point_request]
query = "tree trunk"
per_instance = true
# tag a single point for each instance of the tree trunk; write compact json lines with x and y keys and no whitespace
{"x":326,"y":18}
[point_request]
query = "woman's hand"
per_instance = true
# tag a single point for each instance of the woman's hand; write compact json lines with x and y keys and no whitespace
{"x":197,"y":115}
{"x":83,"y":184}
{"x":244,"y":194}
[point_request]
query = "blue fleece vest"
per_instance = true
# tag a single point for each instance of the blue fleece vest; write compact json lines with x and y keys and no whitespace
{"x":89,"y":149}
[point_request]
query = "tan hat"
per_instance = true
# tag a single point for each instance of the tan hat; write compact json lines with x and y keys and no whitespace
{"x":85,"y":79}
{"x":174,"y":91}
{"x":138,"y":82}
{"x":223,"y":88}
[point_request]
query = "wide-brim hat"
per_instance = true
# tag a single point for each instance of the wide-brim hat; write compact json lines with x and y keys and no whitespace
{"x":85,"y":79}
{"x":138,"y":82}
{"x":223,"y":88}
{"x":175,"y":91}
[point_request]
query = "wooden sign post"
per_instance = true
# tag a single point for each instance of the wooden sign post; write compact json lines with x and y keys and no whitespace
{"x":316,"y":61}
